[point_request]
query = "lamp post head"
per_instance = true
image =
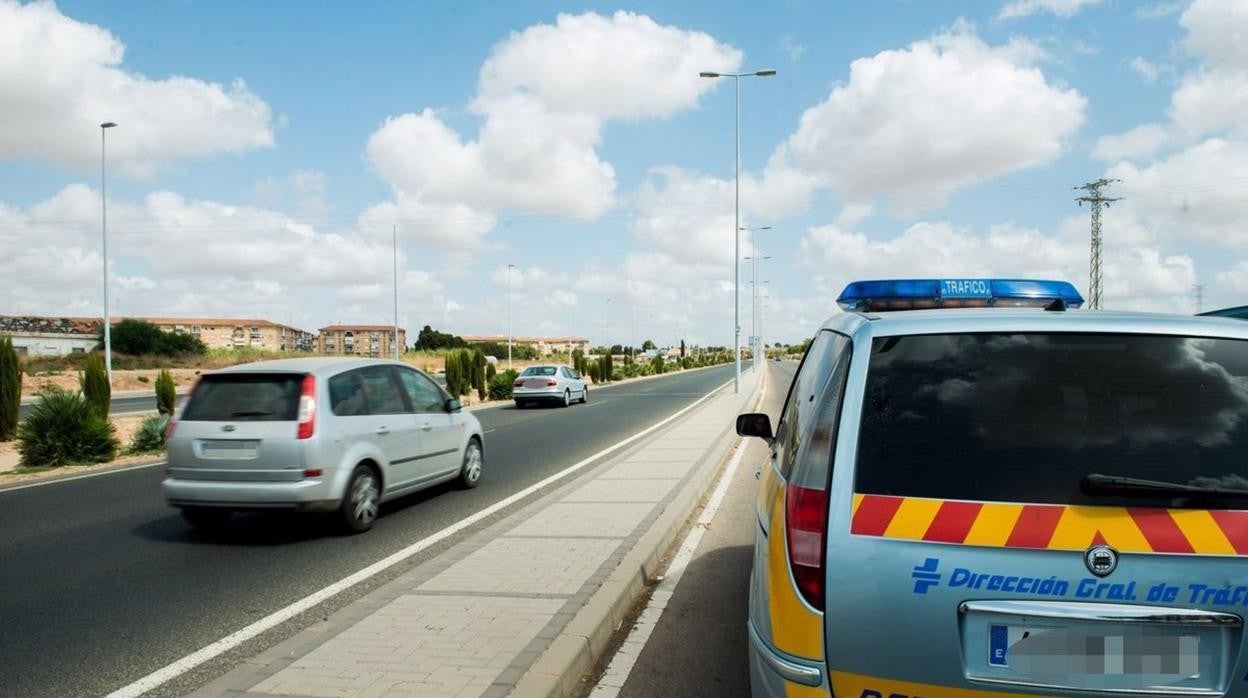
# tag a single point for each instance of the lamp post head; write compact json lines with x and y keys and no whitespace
{"x":708,"y":74}
{"x":765,"y":73}
{"x":108,"y":124}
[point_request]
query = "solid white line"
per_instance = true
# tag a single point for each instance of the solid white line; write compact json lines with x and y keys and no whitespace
{"x":617,"y":672}
{"x":229,"y":642}
{"x":84,"y":476}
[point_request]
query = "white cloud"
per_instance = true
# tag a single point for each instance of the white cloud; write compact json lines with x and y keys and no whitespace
{"x":1140,"y":142}
{"x":1214,"y":97}
{"x":918,"y":123}
{"x":545,"y":94}
{"x":1234,"y":281}
{"x":1136,"y":276}
{"x":1158,"y":10}
{"x":60,"y":78}
{"x":1061,"y":8}
{"x":1191,"y":195}
{"x":1145,"y":69}
{"x":791,"y":48}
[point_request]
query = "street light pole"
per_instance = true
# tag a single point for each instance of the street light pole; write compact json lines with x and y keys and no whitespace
{"x":754,"y":289}
{"x":736,"y":225}
{"x":108,"y":332}
{"x":509,"y":268}
{"x":394,"y":241}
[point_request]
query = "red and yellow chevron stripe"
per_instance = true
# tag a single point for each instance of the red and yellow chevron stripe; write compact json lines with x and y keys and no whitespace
{"x":1052,"y":526}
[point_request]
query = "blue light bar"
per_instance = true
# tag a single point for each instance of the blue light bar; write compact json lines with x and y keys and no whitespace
{"x":911,"y":294}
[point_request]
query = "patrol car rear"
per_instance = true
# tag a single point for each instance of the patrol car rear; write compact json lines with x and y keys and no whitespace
{"x":1004,"y":500}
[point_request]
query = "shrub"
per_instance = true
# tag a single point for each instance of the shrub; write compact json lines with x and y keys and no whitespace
{"x":631,"y":370}
{"x":94,"y":383}
{"x":490,"y":372}
{"x":501,"y":384}
{"x":10,"y":389}
{"x":136,"y":337}
{"x":617,"y":374}
{"x":62,"y":429}
{"x":151,"y":434}
{"x":478,"y":373}
{"x":166,"y":393}
{"x":452,"y":375}
{"x":595,"y":371}
{"x":143,"y":379}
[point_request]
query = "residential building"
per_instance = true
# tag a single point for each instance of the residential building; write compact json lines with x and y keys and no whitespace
{"x":544,"y":345}
{"x":359,"y":340}
{"x":51,"y":336}
{"x":234,"y":333}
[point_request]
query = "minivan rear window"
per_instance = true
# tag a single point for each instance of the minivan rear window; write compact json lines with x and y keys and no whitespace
{"x":245,"y":397}
{"x":1024,"y":417}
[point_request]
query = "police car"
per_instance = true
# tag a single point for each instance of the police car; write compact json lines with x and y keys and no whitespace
{"x":976,"y":490}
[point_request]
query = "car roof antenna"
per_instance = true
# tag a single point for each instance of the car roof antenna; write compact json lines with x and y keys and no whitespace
{"x":1058,"y":305}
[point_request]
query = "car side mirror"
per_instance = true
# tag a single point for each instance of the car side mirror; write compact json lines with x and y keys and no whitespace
{"x":755,"y":424}
{"x":452,"y":405}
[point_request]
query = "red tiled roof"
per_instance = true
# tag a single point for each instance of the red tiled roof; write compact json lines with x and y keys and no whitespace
{"x":360,"y":328}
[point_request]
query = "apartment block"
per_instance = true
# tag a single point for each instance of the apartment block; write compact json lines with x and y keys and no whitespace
{"x":359,"y":340}
{"x":50,"y":336}
{"x":234,"y":333}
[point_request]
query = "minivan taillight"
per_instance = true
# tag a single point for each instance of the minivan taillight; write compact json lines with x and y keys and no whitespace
{"x":307,"y":407}
{"x":806,"y":523}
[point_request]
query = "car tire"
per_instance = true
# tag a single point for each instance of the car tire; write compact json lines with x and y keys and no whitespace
{"x":584,"y":394}
{"x":207,"y":518}
{"x":519,"y":405}
{"x":474,"y":460}
{"x":567,"y":397}
{"x":362,"y":500}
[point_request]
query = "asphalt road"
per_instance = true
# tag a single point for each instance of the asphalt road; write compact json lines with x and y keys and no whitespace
{"x":101,"y":583}
{"x":699,"y":646}
{"x":119,"y":405}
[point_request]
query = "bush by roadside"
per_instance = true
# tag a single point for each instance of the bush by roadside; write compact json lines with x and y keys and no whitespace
{"x":96,"y":387}
{"x":10,"y":389}
{"x":166,"y":392}
{"x":501,"y":385}
{"x":63,"y":429}
{"x":150,"y":436}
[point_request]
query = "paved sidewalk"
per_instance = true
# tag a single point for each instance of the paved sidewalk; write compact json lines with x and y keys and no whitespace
{"x":511,"y":605}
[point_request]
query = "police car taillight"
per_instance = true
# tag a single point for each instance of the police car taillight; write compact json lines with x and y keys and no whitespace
{"x":916,"y":294}
{"x":805,"y":530}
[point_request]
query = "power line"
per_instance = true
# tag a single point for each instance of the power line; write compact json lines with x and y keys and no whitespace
{"x":1095,"y":198}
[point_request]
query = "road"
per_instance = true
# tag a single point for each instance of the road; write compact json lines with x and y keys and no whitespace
{"x":699,"y":645}
{"x":102,"y":583}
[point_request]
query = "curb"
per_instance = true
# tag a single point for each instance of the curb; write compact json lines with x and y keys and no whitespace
{"x":583,"y":642}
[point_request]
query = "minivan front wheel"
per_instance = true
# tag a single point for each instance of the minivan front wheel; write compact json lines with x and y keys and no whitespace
{"x":470,"y":472}
{"x":362,"y":499}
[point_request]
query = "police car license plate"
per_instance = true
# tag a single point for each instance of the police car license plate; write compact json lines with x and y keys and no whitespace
{"x":1141,"y":652}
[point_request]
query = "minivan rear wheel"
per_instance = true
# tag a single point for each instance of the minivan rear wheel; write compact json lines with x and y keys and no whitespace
{"x":362,"y":499}
{"x":470,"y":472}
{"x":207,"y":518}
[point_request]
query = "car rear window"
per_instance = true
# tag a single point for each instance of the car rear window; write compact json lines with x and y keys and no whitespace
{"x":1024,"y":417}
{"x":245,"y":397}
{"x":539,"y":371}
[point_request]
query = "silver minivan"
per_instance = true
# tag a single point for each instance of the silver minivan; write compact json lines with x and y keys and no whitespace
{"x":316,"y":434}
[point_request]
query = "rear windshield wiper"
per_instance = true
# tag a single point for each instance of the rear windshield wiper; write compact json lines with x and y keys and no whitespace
{"x":251,"y":413}
{"x":1097,"y":484}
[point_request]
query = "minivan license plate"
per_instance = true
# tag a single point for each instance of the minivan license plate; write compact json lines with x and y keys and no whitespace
{"x":1128,"y":652}
{"x":234,"y":449}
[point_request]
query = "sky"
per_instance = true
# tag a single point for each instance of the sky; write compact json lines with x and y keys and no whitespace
{"x":268,"y":154}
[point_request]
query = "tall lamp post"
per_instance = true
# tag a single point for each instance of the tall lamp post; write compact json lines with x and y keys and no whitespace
{"x":736,"y":233}
{"x":108,"y":333}
{"x":754,"y":287}
{"x":509,"y":268}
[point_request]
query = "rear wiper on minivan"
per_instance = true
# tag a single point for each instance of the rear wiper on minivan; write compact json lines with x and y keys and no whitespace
{"x":1097,"y":484}
{"x":251,"y":413}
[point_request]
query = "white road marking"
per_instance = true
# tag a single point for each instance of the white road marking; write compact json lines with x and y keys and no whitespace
{"x":617,"y":672}
{"x":229,"y":642}
{"x":58,"y":481}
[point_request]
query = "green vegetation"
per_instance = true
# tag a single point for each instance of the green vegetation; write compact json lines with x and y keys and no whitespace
{"x":578,"y":361}
{"x":499,"y":350}
{"x":166,"y":393}
{"x":63,"y":429}
{"x":136,"y":337}
{"x":501,"y":384}
{"x":478,"y":373}
{"x":10,"y":388}
{"x":151,"y":435}
{"x":95,"y":387}
{"x":430,"y":339}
